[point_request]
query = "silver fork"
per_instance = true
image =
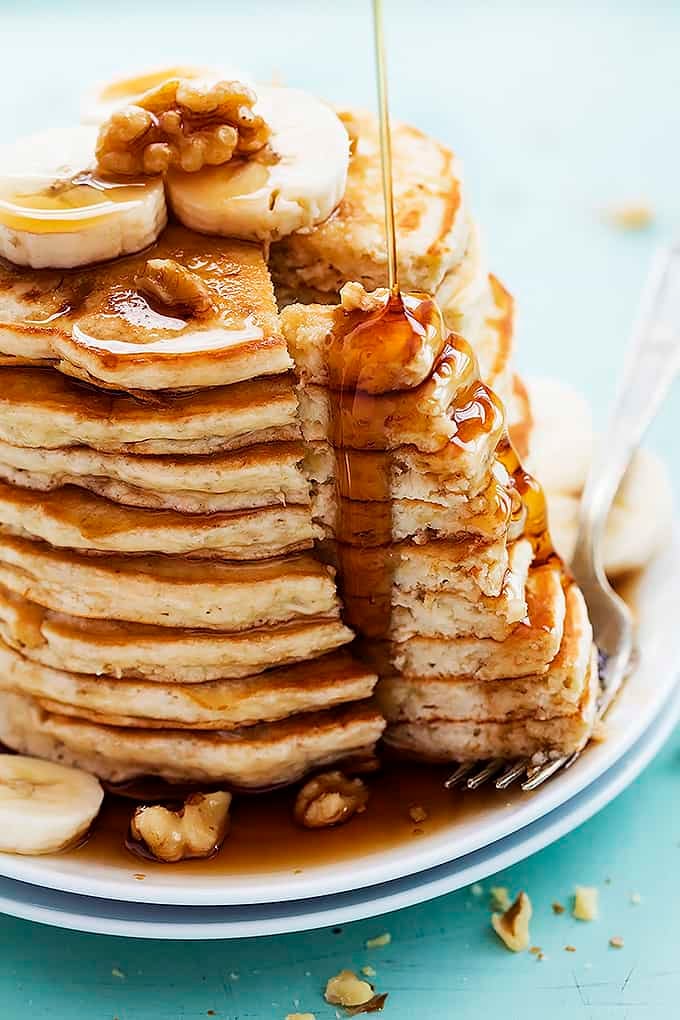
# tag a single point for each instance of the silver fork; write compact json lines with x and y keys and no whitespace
{"x":652,"y":362}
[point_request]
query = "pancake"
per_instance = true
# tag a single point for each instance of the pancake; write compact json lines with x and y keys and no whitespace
{"x":469,"y":740}
{"x":257,"y":757}
{"x":462,"y":467}
{"x":367,"y":523}
{"x":41,"y":408}
{"x":423,"y":417}
{"x":468,"y":568}
{"x":388,"y":611}
{"x":138,"y":650}
{"x":465,"y":295}
{"x":100,"y":324}
{"x":256,"y":476}
{"x":76,"y":519}
{"x":432,"y":227}
{"x":215,"y":705}
{"x":445,"y":614}
{"x":168,"y":591}
{"x":554,"y":693}
{"x":529,"y":648}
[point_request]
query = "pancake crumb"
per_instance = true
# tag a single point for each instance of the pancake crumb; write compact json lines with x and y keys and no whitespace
{"x":500,"y":898}
{"x":368,"y":971}
{"x":570,"y":949}
{"x":379,"y":941}
{"x":635,"y":898}
{"x":585,"y":903}
{"x":630,"y":216}
{"x":616,"y":942}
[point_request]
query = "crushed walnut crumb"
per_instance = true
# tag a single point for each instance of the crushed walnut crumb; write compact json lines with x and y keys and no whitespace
{"x":181,"y":123}
{"x":417,"y":813}
{"x":353,"y":298}
{"x":512,"y":926}
{"x":330,"y":799}
{"x":570,"y":949}
{"x":346,"y":989}
{"x":557,"y":908}
{"x":616,"y":942}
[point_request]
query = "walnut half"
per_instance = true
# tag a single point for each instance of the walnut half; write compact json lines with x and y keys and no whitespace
{"x":197,"y":829}
{"x":181,"y":123}
{"x":172,"y":284}
{"x":330,"y":799}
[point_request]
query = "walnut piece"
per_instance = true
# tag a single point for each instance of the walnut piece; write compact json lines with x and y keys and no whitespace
{"x":585,"y":903}
{"x":353,"y":298}
{"x":512,"y":927}
{"x":172,"y":284}
{"x":197,"y":829}
{"x":181,"y":123}
{"x":346,"y":989}
{"x":330,"y":799}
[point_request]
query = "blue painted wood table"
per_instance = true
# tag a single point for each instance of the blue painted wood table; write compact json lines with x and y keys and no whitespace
{"x":560,"y":111}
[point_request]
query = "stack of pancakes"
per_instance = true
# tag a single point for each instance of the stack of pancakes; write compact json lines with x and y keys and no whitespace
{"x":161,"y":608}
{"x":483,"y":645}
{"x":178,"y":491}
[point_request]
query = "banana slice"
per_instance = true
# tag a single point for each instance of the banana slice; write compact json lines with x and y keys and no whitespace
{"x":56,"y":213}
{"x":100,"y":102}
{"x":44,"y":807}
{"x":294,"y":184}
{"x":561,"y":444}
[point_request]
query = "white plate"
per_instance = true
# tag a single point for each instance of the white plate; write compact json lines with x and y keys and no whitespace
{"x":657,"y":599}
{"x":107,"y":917}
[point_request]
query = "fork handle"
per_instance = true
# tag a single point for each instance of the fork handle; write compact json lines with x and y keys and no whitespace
{"x":652,"y":362}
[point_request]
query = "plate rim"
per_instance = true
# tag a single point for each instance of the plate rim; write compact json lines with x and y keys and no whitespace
{"x":413,"y":890}
{"x":400,"y":862}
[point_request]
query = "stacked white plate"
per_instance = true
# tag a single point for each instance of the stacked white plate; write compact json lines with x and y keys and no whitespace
{"x":101,"y":898}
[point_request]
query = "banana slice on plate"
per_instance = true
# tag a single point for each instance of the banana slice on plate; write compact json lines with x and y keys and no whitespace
{"x":560,"y":451}
{"x":293,"y":184}
{"x":44,"y":807}
{"x":56,"y":212}
{"x":100,"y":102}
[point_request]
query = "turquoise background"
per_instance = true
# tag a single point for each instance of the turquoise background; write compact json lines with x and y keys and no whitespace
{"x":559,"y":111}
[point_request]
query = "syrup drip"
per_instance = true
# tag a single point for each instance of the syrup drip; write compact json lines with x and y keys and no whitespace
{"x":532,"y":506}
{"x":385,"y":147}
{"x":74,"y":203}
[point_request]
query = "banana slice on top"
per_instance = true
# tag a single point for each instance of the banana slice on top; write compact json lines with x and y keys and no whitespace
{"x":57,"y":212}
{"x":44,"y":807}
{"x":292,"y":185}
{"x":100,"y":102}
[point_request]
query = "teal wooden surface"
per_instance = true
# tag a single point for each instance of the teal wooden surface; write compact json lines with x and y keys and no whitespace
{"x":559,"y":111}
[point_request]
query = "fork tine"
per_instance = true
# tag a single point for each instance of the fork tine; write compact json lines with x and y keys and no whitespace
{"x":461,"y":772}
{"x":544,"y":772}
{"x":512,"y":773}
{"x":489,"y":770}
